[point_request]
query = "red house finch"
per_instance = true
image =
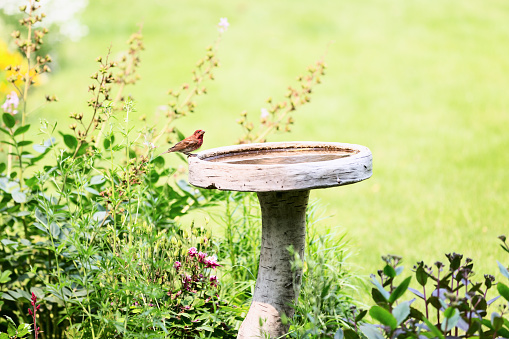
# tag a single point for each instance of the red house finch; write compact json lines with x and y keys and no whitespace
{"x":189,"y":144}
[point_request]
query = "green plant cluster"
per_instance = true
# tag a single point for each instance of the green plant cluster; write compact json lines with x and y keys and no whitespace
{"x":451,"y":304}
{"x":91,"y":243}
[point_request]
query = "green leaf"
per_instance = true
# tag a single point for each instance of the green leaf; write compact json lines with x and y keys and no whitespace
{"x":401,"y":311}
{"x":97,"y":179}
{"x":339,"y":334}
{"x":2,"y":167}
{"x":106,"y":144}
{"x":70,"y":141}
{"x":433,"y":329}
{"x":389,"y":271}
{"x":497,"y":321}
{"x":452,"y":316}
{"x":421,"y":276}
{"x":378,"y":298}
{"x":383,"y":316}
{"x":503,"y":270}
{"x":502,"y":332}
{"x":23,"y":330}
{"x":18,"y":196}
{"x":7,"y":143}
{"x":91,"y":190}
{"x":503,"y":290}
{"x":21,"y":130}
{"x":11,"y":330}
{"x":351,"y":334}
{"x":400,"y":290}
{"x":158,"y":162}
{"x":24,"y":143}
{"x":54,"y":229}
{"x":361,"y":315}
{"x":41,"y":227}
{"x":4,"y":277}
{"x":416,"y":314}
{"x":205,"y":328}
{"x":371,"y":332}
{"x":9,"y":120}
{"x":380,"y":288}
{"x":8,"y":242}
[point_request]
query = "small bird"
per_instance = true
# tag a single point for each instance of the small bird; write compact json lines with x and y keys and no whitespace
{"x":189,"y":144}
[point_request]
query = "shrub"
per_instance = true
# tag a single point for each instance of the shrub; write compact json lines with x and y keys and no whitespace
{"x":454,"y":307}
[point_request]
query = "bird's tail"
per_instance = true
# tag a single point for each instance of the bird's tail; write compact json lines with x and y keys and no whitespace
{"x":168,"y":151}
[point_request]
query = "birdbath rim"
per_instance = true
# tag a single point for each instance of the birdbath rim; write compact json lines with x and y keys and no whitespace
{"x":280,"y":166}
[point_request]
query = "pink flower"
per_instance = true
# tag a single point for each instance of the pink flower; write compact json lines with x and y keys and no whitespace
{"x":201,"y":257}
{"x":223,"y":25}
{"x":11,"y":103}
{"x":211,"y":262}
{"x":177,"y":265}
{"x":148,"y":143}
{"x":192,"y":251}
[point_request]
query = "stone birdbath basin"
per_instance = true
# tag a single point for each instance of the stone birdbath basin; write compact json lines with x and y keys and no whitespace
{"x":282,"y":174}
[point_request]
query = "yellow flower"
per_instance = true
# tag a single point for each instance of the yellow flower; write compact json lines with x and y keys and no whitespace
{"x":12,"y":59}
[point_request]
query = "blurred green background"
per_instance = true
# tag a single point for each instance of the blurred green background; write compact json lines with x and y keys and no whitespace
{"x":422,"y":83}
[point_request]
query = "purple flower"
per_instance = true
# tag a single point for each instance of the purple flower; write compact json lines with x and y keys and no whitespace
{"x":223,"y":25}
{"x":177,"y":265}
{"x":192,"y":251}
{"x":211,"y":262}
{"x":201,"y":257}
{"x":213,"y":278}
{"x":11,"y":103}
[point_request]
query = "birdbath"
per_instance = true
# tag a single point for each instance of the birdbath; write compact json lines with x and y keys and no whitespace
{"x":282,"y":174}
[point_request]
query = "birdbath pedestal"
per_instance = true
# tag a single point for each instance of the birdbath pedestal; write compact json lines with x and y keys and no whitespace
{"x":282,"y":174}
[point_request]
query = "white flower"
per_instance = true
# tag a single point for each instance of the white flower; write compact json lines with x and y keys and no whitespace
{"x":265,"y":114}
{"x":223,"y":25}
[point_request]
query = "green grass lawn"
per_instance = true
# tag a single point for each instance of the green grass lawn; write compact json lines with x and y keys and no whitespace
{"x":423,"y":84}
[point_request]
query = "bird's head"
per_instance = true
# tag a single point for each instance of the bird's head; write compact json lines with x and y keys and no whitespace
{"x":199,"y":133}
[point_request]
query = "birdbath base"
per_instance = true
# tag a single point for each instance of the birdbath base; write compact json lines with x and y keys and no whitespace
{"x":277,"y":286}
{"x":282,"y":174}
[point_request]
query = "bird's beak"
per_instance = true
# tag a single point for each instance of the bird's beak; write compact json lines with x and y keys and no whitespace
{"x":202,"y":132}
